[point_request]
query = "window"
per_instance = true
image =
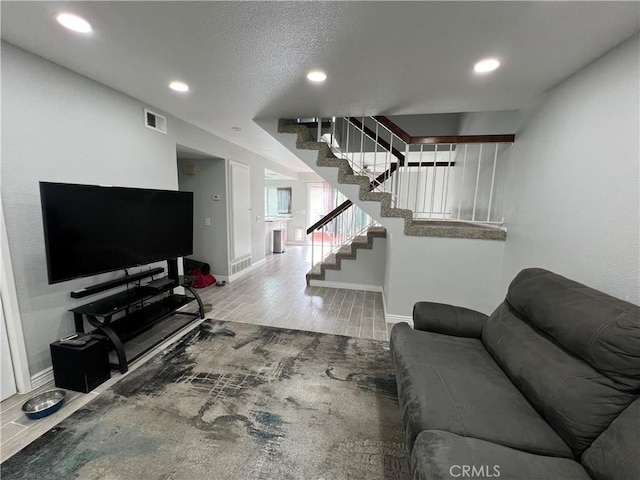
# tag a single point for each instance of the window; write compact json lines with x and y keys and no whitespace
{"x":284,"y":200}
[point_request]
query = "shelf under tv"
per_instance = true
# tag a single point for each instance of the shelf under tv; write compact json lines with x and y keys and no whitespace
{"x":137,"y":343}
{"x":141,"y":309}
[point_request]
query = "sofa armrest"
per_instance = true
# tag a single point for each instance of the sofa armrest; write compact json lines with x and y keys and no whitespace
{"x":448,"y":319}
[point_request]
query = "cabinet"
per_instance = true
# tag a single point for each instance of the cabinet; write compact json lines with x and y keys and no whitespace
{"x":131,"y":319}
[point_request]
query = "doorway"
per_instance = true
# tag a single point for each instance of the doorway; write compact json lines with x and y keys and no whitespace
{"x":206,"y":177}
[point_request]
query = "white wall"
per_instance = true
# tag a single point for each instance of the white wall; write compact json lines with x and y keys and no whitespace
{"x":490,"y":123}
{"x":62,"y":127}
{"x":572,"y":192}
{"x":457,"y":271}
{"x":367,"y":269}
{"x":428,"y":125}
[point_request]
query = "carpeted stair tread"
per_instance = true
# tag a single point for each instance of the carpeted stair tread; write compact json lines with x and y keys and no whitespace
{"x":345,"y":251}
{"x":316,"y":270}
{"x":332,"y":262}
{"x":377,"y":232}
{"x":360,"y":240}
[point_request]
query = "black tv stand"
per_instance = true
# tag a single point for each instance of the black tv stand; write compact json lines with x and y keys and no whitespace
{"x":140,"y":308}
{"x":101,"y":287}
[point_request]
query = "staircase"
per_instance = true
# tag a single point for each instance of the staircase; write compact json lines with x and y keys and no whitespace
{"x":326,"y":158}
{"x":439,"y":200}
{"x":348,"y":251}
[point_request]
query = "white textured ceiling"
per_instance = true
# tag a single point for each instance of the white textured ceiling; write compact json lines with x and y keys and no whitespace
{"x":247,"y":60}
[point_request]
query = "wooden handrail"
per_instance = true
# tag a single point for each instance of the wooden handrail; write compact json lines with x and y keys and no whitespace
{"x":372,"y":135}
{"x":442,"y":139}
{"x":329,"y":216}
{"x":393,"y":128}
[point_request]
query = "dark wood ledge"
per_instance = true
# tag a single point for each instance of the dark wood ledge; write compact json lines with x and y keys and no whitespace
{"x":435,"y":140}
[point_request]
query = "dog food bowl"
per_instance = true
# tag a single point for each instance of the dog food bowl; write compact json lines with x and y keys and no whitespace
{"x":207,"y":307}
{"x":44,"y":404}
{"x":221,"y":283}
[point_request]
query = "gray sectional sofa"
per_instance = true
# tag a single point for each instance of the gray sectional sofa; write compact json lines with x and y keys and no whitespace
{"x":547,"y":387}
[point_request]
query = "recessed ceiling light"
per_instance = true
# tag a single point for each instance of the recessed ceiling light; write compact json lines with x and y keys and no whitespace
{"x":179,"y":86}
{"x":317,"y":76}
{"x":74,"y":22}
{"x":236,"y":129}
{"x":486,"y":65}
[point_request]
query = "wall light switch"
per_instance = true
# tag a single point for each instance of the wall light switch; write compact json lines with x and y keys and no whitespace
{"x":207,"y":222}
{"x":258,"y":219}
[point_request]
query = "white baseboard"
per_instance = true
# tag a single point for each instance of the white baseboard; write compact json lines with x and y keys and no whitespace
{"x":346,"y":286}
{"x":242,"y":273}
{"x":398,"y":319}
{"x":41,"y":378}
{"x":390,"y":318}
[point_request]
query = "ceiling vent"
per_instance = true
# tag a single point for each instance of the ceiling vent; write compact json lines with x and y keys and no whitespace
{"x":154,"y":121}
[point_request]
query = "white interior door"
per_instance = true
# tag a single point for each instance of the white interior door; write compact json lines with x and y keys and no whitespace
{"x":240,"y":210}
{"x":7,"y":378}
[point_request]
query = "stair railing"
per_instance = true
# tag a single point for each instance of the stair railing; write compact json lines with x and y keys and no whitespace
{"x":333,"y":231}
{"x":444,"y":178}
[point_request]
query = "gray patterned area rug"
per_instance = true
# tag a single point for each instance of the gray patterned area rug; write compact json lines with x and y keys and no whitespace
{"x":235,"y":401}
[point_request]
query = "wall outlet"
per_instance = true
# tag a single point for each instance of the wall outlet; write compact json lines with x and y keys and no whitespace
{"x":207,"y":222}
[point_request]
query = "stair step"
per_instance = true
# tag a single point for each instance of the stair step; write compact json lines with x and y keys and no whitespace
{"x":345,"y":250}
{"x":377,"y":232}
{"x":329,"y":259}
{"x":358,"y":240}
{"x":315,"y":270}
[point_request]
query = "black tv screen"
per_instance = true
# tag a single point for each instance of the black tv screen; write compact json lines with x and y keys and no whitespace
{"x":92,"y":229}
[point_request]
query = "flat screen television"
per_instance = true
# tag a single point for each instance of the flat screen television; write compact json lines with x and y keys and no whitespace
{"x":91,"y":229}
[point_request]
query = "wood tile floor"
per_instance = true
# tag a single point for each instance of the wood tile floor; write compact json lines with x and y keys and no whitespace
{"x":274,"y":294}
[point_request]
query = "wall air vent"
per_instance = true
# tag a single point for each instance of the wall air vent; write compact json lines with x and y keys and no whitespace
{"x":154,"y":121}
{"x":240,"y":265}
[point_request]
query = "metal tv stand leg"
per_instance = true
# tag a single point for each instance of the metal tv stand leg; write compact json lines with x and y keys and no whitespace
{"x":115,"y":340}
{"x":197,"y":297}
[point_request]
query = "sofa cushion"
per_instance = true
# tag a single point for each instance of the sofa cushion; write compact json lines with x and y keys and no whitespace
{"x":600,"y":329}
{"x":439,"y":455}
{"x":452,"y":383}
{"x":615,"y":455}
{"x":575,"y":398}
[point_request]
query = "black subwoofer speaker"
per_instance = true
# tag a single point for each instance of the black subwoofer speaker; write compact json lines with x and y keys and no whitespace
{"x":81,"y":368}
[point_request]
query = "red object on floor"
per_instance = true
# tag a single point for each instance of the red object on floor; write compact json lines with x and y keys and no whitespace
{"x":201,"y":281}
